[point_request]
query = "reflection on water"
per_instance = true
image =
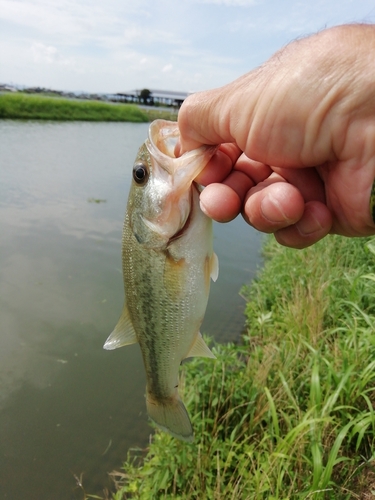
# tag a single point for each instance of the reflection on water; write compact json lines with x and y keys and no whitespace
{"x":67,"y":406}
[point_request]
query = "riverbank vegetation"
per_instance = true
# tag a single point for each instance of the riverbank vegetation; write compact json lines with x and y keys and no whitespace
{"x":37,"y":107}
{"x":288,"y":413}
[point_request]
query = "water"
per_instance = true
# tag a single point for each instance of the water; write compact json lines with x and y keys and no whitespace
{"x":67,"y":407}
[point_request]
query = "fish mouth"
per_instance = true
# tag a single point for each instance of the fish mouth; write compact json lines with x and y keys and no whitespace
{"x":161,"y":142}
{"x":186,"y":225}
{"x":159,"y":227}
{"x":156,"y":228}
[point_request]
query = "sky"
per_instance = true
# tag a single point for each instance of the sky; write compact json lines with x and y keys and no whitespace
{"x":181,"y":45}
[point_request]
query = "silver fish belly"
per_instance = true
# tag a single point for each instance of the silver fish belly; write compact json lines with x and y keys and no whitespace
{"x":168,"y":262}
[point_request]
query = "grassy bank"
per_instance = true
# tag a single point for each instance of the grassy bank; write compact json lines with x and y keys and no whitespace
{"x":155,"y":113}
{"x":35,"y":107}
{"x":289,"y":414}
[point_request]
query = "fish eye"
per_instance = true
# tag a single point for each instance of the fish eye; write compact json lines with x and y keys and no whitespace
{"x":140,"y":173}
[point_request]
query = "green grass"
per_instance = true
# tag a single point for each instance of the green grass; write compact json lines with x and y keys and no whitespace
{"x":26,"y":107}
{"x":288,"y":414}
{"x":155,"y":113}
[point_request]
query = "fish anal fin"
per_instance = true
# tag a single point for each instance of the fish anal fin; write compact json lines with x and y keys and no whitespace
{"x":200,"y":348}
{"x":123,"y":333}
{"x":171,"y":416}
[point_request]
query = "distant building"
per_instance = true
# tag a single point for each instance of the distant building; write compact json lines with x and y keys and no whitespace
{"x":7,"y":88}
{"x":164,"y":97}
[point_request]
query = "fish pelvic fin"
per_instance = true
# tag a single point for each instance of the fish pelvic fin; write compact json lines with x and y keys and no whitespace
{"x":171,"y":416}
{"x":211,"y":270}
{"x":200,"y":348}
{"x":214,"y":267}
{"x":123,"y":333}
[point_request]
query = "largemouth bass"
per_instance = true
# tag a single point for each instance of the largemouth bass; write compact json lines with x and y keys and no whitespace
{"x":168,"y":261}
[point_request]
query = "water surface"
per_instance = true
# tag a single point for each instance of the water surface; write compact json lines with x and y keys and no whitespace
{"x":68,"y":407}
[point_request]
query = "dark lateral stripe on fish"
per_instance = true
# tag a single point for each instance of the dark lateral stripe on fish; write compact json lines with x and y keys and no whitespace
{"x":148,"y":313}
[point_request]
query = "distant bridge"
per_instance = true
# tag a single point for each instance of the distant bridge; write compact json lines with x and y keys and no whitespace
{"x":166,"y":97}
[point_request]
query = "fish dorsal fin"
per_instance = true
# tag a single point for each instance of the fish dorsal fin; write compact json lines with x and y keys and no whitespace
{"x":123,"y":334}
{"x":214,"y":267}
{"x":200,"y":348}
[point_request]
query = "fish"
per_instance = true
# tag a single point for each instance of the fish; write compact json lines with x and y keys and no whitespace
{"x":168,"y":262}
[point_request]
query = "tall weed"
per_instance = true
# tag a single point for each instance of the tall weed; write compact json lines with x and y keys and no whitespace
{"x":288,"y":413}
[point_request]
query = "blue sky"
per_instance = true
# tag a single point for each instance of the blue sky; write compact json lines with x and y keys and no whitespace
{"x":187,"y":45}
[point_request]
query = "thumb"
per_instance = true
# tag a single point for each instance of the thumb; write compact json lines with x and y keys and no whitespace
{"x":203,"y":119}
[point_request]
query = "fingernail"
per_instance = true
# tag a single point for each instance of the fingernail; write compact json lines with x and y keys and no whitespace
{"x":272,"y":210}
{"x":372,"y":202}
{"x":203,"y":208}
{"x":308,"y":224}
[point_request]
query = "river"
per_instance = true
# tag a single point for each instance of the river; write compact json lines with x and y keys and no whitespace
{"x":69,"y":409}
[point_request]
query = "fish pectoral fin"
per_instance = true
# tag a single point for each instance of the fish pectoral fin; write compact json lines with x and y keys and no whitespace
{"x":171,"y":416}
{"x":123,"y":333}
{"x":214,"y":267}
{"x":200,"y":348}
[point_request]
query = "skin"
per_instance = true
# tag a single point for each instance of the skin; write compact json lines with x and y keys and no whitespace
{"x":297,"y":139}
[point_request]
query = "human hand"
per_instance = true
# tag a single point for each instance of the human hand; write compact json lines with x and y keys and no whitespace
{"x":297,"y":139}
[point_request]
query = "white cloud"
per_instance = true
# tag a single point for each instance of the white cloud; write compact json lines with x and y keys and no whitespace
{"x":167,"y":68}
{"x":47,"y":54}
{"x":122,"y":44}
{"x":43,"y":53}
{"x":76,"y":19}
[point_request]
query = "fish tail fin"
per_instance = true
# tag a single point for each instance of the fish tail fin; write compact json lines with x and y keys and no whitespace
{"x":171,"y":416}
